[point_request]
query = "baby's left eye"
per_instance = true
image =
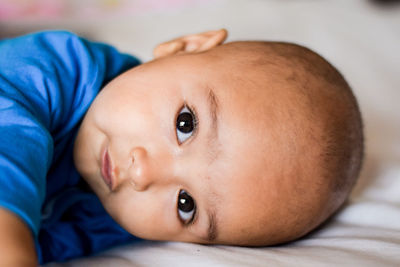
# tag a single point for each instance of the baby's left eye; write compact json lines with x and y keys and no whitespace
{"x":185,"y":124}
{"x":186,"y":207}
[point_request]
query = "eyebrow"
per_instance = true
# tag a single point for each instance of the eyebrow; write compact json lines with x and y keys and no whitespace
{"x":213,"y":131}
{"x":212,"y":226}
{"x":213,"y":104}
{"x":212,"y":230}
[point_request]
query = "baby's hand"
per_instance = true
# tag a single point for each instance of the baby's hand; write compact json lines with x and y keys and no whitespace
{"x":191,"y":43}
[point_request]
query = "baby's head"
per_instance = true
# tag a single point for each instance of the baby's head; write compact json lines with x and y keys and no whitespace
{"x":249,"y":143}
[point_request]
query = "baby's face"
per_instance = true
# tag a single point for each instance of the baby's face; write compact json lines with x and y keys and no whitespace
{"x":184,"y":149}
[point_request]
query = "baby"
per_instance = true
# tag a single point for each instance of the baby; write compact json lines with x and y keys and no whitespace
{"x":244,"y":143}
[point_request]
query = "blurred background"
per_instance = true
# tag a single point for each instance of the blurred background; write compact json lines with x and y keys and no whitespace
{"x":138,"y":25}
{"x":360,"y":37}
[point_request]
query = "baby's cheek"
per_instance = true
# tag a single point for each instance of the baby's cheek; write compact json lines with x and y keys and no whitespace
{"x":132,"y":212}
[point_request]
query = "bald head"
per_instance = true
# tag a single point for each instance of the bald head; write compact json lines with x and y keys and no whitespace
{"x":318,"y":126}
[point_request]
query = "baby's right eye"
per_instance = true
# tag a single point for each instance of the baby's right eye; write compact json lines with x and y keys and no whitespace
{"x":186,"y":207}
{"x":186,"y":124}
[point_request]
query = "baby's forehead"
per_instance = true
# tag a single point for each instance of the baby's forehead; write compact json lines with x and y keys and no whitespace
{"x":260,"y":62}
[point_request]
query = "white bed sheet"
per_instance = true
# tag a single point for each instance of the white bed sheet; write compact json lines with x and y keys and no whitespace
{"x":363,"y":41}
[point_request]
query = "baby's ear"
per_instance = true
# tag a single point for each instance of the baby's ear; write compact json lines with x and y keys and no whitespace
{"x":191,"y":43}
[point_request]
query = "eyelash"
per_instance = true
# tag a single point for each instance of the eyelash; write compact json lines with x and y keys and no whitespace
{"x":193,"y":220}
{"x":195,"y":119}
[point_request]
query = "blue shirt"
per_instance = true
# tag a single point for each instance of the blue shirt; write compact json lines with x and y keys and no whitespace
{"x":47,"y":82}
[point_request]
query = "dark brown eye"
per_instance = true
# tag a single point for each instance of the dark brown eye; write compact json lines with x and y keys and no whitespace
{"x":185,"y":124}
{"x":186,"y":207}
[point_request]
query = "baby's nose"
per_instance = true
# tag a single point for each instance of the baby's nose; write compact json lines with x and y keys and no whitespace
{"x":141,"y":174}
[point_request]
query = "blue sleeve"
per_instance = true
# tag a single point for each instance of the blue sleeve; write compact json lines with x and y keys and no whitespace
{"x":47,"y":82}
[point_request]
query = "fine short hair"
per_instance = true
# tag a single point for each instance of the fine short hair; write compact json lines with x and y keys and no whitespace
{"x":342,"y":141}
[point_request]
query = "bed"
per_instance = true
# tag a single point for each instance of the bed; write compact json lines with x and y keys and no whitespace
{"x":361,"y":38}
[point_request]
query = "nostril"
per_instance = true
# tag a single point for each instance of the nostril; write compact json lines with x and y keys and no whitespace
{"x":139,"y":169}
{"x":132,"y":183}
{"x":137,"y":153}
{"x":132,"y":158}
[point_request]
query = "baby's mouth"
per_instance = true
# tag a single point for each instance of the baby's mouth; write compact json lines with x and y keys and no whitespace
{"x":106,"y":169}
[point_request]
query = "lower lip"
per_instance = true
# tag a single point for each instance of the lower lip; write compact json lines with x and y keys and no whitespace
{"x":106,"y":169}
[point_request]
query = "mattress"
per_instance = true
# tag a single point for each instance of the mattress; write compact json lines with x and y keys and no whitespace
{"x":361,"y":38}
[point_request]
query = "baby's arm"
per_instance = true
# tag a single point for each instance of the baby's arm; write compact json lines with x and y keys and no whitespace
{"x":16,"y":243}
{"x":47,"y":82}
